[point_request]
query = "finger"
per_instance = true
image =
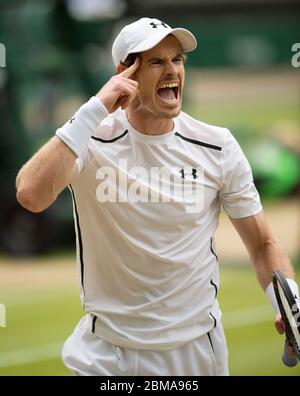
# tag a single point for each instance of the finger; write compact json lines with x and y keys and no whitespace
{"x":125,"y":100}
{"x":289,"y":361}
{"x":127,"y":81}
{"x":126,"y":97}
{"x":122,"y":101}
{"x":129,"y":72}
{"x":290,"y":350}
{"x":127,"y":89}
{"x":124,"y":88}
{"x":279,"y":324}
{"x":119,"y":82}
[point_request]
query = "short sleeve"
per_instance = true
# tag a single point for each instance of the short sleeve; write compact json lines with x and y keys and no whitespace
{"x":238,"y":194}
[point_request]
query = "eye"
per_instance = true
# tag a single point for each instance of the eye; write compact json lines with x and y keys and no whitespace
{"x":178,"y":60}
{"x":156,"y":62}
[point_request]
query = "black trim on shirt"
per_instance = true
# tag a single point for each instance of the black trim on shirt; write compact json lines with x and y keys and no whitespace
{"x":215,"y":286}
{"x":207,"y":145}
{"x":110,"y":140}
{"x":215,"y":320}
{"x":93,"y":323}
{"x":79,"y":239}
{"x":210,"y":341}
{"x":212,"y":250}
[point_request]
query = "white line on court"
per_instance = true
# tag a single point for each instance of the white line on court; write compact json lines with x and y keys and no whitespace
{"x":30,"y":355}
{"x":247,"y":316}
{"x":37,"y":299}
{"x":231,"y":319}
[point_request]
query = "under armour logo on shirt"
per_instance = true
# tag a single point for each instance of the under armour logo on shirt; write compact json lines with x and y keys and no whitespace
{"x":192,"y":173}
{"x":154,"y":25}
{"x":71,"y":120}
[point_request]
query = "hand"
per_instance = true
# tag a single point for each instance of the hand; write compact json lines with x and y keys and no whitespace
{"x":279,"y":324}
{"x":120,"y":90}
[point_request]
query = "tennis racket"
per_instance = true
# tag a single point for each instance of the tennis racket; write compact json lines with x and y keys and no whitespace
{"x":290,"y":313}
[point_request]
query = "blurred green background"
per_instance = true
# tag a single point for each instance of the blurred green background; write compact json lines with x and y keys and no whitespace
{"x":58,"y":54}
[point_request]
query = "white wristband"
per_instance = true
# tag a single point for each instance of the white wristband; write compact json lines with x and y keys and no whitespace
{"x":77,"y":132}
{"x":271,"y":294}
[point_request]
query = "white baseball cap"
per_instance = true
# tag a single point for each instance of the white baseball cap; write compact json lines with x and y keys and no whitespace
{"x":145,"y":34}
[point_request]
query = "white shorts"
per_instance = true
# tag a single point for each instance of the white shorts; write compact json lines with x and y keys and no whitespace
{"x":85,"y":354}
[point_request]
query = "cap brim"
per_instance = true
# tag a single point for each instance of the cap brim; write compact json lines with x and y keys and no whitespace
{"x":186,"y":39}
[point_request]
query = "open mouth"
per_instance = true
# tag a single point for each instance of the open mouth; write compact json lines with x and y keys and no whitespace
{"x":168,"y":92}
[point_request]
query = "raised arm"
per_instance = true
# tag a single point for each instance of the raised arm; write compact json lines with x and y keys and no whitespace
{"x":53,"y":167}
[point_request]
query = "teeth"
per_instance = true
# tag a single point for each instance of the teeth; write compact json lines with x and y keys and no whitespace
{"x":171,"y":85}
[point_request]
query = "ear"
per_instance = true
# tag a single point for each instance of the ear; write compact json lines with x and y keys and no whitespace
{"x":120,"y":68}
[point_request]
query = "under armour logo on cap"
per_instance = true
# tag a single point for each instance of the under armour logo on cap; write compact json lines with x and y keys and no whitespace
{"x":154,"y":25}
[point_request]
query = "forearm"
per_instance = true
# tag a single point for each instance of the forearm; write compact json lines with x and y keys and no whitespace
{"x":265,"y":252}
{"x":45,"y":175}
{"x":268,"y":258}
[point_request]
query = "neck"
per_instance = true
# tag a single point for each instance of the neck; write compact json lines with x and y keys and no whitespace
{"x":148,"y":123}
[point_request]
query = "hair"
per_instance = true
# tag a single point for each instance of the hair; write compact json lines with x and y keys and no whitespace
{"x":129,"y":61}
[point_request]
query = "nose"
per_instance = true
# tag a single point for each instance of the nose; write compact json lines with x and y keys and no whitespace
{"x":170,"y":68}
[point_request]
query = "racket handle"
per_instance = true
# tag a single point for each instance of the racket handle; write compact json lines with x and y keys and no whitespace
{"x":287,"y":360}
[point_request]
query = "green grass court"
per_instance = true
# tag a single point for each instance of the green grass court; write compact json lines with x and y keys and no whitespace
{"x":40,"y":318}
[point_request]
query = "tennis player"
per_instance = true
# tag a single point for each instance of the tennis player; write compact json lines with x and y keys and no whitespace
{"x":148,"y":182}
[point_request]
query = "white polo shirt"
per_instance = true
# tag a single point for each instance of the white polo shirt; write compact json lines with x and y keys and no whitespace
{"x":147,"y":263}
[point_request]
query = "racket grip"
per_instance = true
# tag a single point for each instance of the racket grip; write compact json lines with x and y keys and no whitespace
{"x":287,"y":360}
